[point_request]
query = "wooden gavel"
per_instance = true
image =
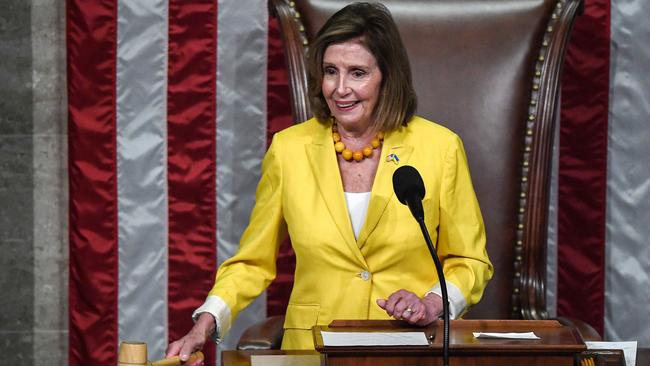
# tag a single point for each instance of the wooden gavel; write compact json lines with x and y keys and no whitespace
{"x":135,"y":354}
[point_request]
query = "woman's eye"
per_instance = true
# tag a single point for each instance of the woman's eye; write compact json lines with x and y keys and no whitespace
{"x":330,"y":71}
{"x":358,"y":73}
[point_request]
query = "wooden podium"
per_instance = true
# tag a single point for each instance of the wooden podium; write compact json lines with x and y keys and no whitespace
{"x":558,"y":345}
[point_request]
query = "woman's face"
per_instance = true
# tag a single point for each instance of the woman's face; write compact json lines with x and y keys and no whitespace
{"x":351,"y":84}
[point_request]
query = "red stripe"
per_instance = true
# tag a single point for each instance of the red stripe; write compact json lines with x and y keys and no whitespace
{"x":91,"y":49}
{"x":191,"y":102}
{"x":279,"y":117}
{"x":583,"y":169}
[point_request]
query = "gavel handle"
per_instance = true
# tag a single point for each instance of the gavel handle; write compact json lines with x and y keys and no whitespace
{"x":176,"y":360}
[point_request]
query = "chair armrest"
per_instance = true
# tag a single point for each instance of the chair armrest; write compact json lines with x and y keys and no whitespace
{"x":266,"y":334}
{"x":587,"y":332}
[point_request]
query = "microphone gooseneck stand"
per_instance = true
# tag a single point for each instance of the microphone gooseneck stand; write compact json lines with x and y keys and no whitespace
{"x":443,"y":287}
{"x":409,"y":189}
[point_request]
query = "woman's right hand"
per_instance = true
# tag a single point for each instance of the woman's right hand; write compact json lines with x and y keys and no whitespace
{"x":194,"y":340}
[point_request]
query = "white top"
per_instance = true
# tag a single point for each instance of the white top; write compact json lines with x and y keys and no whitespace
{"x":357,"y":209}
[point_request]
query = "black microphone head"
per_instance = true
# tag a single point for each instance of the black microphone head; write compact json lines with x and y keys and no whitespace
{"x":408,"y":184}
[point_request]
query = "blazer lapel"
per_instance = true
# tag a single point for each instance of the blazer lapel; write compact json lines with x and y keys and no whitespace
{"x":322,"y":159}
{"x":382,"y":188}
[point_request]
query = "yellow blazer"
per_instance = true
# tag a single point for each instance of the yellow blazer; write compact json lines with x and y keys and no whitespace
{"x":338,"y":277}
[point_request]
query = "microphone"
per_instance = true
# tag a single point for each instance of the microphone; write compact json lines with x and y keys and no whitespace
{"x":409,"y":189}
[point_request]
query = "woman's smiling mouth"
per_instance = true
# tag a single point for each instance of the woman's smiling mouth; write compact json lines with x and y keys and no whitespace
{"x":346,"y":105}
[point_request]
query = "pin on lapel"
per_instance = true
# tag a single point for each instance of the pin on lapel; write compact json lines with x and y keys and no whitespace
{"x":393,"y":158}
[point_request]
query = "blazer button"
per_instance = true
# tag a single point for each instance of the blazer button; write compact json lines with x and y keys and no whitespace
{"x":365,"y":275}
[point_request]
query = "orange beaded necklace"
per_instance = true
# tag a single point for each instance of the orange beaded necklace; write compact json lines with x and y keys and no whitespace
{"x":359,"y":155}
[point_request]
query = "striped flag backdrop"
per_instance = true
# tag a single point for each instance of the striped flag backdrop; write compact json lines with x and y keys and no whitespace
{"x":167,"y":130}
{"x":601,"y":272}
{"x":172,"y":104}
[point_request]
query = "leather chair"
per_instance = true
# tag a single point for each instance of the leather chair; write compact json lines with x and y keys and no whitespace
{"x":490,"y":71}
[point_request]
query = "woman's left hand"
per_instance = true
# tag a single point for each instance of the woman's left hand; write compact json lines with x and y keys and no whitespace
{"x":407,"y":306}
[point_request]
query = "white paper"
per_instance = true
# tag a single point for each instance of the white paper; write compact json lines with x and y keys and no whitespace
{"x":338,"y":339}
{"x":629,"y":349}
{"x":523,"y":335}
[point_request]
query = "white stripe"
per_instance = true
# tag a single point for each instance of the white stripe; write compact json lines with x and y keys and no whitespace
{"x":627,"y":287}
{"x":241,"y":129}
{"x":141,"y":172}
{"x":551,"y":246}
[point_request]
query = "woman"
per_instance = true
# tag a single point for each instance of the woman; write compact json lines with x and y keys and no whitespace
{"x":328,"y":183}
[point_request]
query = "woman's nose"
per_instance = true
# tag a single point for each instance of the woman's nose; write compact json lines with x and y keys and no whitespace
{"x":342,"y":87}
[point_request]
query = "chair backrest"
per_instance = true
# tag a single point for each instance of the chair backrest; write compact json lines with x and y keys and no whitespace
{"x":490,"y":71}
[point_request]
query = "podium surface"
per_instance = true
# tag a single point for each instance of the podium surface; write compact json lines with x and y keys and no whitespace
{"x":558,"y":345}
